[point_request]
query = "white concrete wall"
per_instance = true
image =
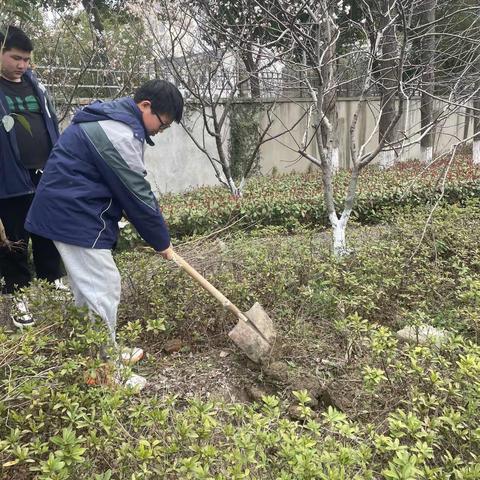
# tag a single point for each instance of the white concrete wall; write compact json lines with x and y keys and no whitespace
{"x":182,"y":166}
{"x":175,"y":164}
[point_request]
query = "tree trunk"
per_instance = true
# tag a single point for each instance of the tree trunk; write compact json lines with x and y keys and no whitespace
{"x":476,"y":123}
{"x":252,"y":70}
{"x":251,"y":138}
{"x":335,"y":160}
{"x":476,"y":113}
{"x":339,"y":228}
{"x":466,"y":125}
{"x":388,"y":87}
{"x":428,"y":79}
{"x":330,"y":134}
{"x":224,"y":161}
{"x":329,"y":76}
{"x":326,"y":134}
{"x":96,"y":24}
{"x":386,"y":158}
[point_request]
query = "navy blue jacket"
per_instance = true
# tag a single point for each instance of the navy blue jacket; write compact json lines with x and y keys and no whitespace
{"x":96,"y":172}
{"x":14,"y":177}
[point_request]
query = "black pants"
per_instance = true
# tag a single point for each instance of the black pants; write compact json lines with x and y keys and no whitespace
{"x":14,"y":266}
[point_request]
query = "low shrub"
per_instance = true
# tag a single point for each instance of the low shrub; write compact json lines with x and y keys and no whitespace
{"x":56,"y":428}
{"x":413,"y":411}
{"x":292,"y":200}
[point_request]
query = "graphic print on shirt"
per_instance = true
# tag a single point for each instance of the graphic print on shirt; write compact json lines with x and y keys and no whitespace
{"x":31,"y":135}
{"x":19,"y":104}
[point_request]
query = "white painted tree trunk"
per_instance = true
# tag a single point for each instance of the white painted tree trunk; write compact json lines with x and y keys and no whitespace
{"x":476,"y":152}
{"x":233,"y":188}
{"x":386,"y":159}
{"x":339,"y":242}
{"x":338,"y":229}
{"x":426,"y":154}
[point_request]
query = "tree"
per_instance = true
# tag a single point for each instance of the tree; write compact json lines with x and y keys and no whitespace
{"x":206,"y":70}
{"x":428,"y":48}
{"x":387,"y":75}
{"x":238,"y":26}
{"x":316,"y":53}
{"x":447,"y":41}
{"x":96,"y":13}
{"x":476,"y":110}
{"x":229,"y":24}
{"x":384,"y":39}
{"x":476,"y":102}
{"x":67,"y":56}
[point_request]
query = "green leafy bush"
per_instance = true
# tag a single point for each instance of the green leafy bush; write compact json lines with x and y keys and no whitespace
{"x":412,"y":411}
{"x":297,"y":199}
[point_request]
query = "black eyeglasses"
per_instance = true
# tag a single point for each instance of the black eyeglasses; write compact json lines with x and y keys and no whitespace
{"x":163,"y":125}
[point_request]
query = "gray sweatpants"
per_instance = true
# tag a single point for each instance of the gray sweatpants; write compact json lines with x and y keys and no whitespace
{"x":94,"y":280}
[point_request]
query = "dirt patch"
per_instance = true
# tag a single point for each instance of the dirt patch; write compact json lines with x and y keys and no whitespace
{"x":309,"y":354}
{"x":227,"y":375}
{"x":211,"y":374}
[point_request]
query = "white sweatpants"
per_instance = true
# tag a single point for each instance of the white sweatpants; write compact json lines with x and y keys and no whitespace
{"x":94,"y":280}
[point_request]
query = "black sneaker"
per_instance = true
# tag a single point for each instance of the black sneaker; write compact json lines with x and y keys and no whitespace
{"x":20,"y":316}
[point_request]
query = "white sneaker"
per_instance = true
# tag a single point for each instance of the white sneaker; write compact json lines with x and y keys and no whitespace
{"x":20,"y":316}
{"x":59,"y":285}
{"x":130,"y":355}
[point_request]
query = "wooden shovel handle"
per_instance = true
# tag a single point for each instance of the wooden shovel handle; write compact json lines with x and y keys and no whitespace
{"x":182,"y":263}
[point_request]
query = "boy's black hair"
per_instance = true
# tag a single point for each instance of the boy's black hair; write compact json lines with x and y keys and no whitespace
{"x":164,"y":96}
{"x":15,"y":38}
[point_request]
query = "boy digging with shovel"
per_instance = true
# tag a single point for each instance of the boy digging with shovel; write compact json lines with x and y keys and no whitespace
{"x":95,"y":173}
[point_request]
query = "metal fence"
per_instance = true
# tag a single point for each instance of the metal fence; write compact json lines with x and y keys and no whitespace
{"x":69,"y":83}
{"x":89,"y":82}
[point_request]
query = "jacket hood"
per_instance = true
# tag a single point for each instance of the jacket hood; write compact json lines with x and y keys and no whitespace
{"x":123,"y":110}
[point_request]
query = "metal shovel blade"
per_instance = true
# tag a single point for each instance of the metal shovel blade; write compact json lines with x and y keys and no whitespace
{"x":254,"y":332}
{"x":255,"y":337}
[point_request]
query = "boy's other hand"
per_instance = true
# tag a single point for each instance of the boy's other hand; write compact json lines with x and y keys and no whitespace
{"x":168,"y":253}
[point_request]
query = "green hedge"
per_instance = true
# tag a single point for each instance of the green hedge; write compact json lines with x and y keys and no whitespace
{"x":414,"y":411}
{"x":297,"y":199}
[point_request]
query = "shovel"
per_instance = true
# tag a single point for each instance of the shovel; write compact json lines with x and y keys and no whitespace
{"x":254,"y":333}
